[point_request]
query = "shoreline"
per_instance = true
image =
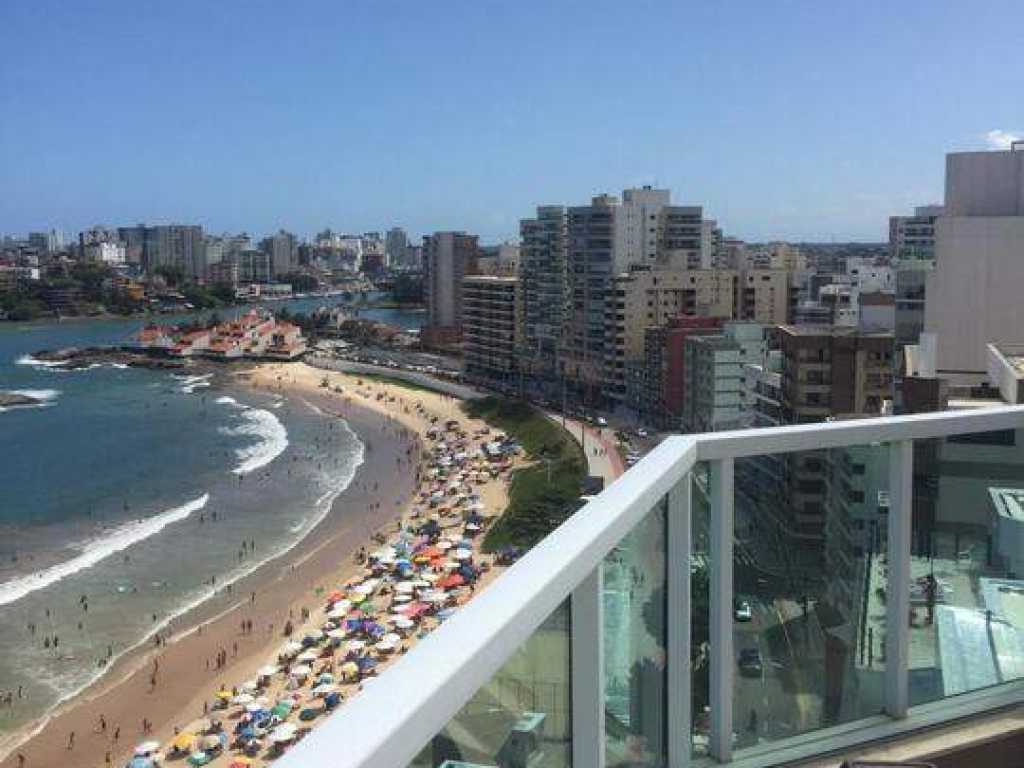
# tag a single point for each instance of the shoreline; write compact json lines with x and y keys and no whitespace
{"x":285,"y":578}
{"x":288,"y":586}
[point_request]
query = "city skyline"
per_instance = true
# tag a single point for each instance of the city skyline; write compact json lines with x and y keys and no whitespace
{"x":800,"y":124}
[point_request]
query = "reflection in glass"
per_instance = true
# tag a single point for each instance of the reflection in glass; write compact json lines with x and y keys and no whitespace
{"x":634,"y":642}
{"x":522,"y":716}
{"x":967,"y":597}
{"x":807,"y":632}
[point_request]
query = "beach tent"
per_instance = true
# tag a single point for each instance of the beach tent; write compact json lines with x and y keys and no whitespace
{"x":147,"y":748}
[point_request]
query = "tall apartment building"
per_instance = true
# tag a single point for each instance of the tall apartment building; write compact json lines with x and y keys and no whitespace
{"x":490,"y":319}
{"x":608,"y":238}
{"x":714,"y":375}
{"x":765,"y":296}
{"x":831,"y":371}
{"x":713,"y":397}
{"x":641,"y":299}
{"x":973,"y":294}
{"x":166,"y":245}
{"x":663,"y":373}
{"x":912,"y":238}
{"x":283,"y":250}
{"x":593,"y":259}
{"x":447,"y":258}
{"x":827,"y":372}
{"x":396,"y":244}
{"x":543,"y":287}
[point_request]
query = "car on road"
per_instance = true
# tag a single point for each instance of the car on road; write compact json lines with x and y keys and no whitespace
{"x":602,"y":421}
{"x":641,"y":432}
{"x":750,"y":662}
{"x":743,"y":611}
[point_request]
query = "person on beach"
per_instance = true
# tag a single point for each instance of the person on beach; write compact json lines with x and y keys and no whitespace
{"x":71,"y":741}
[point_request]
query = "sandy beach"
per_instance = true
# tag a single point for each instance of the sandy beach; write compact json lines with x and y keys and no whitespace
{"x":171,"y":685}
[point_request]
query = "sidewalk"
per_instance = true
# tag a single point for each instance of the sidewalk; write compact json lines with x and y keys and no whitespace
{"x":607,"y":464}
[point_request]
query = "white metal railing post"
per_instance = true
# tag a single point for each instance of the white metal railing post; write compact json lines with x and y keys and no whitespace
{"x":680,"y":532}
{"x":722,"y":661}
{"x":587,"y":659}
{"x":897,"y":627}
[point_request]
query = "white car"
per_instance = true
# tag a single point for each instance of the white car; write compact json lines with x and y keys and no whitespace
{"x":602,"y":421}
{"x":743,"y":611}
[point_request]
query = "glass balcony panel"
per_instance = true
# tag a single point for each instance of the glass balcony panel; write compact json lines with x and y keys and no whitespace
{"x":634,"y":645}
{"x":700,"y":611}
{"x":808,"y":637}
{"x":967,"y":594}
{"x":523,"y":716}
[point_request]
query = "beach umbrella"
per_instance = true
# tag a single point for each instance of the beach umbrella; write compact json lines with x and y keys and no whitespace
{"x":314,"y":635}
{"x":385,"y":646}
{"x":146,"y":748}
{"x":404,"y":587}
{"x":451,"y":565}
{"x":268,"y":670}
{"x":198,"y":758}
{"x":141,"y":762}
{"x":253,"y":707}
{"x":365,"y":663}
{"x":283,"y":733}
{"x":281,"y":709}
{"x":401,"y":598}
{"x":324,"y":677}
{"x":307,"y":656}
{"x":463,"y":554}
{"x":450,"y":581}
{"x":337,"y":634}
{"x":391,"y":637}
{"x":240,"y":762}
{"x":355,"y":645}
{"x":404,"y":623}
{"x":323,"y":689}
{"x":289,"y":649}
{"x":249,"y":686}
{"x":183,"y":741}
{"x":243,"y":698}
{"x":473,"y":527}
{"x":335,"y":596}
{"x":339,"y":609}
{"x":300,"y":670}
{"x":349,"y":668}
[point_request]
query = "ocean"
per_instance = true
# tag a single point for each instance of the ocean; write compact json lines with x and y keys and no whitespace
{"x":130,"y":496}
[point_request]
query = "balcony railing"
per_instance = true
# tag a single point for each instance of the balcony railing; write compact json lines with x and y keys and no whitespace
{"x":614,"y":641}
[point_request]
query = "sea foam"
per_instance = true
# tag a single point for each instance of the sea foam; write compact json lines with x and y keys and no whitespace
{"x":264,"y":425}
{"x":92,"y":551}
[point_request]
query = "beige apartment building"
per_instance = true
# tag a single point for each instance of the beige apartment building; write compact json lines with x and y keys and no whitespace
{"x":764,"y":296}
{"x":645,"y":299}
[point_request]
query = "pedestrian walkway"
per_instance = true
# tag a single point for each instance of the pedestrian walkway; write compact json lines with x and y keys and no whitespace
{"x":605,"y":462}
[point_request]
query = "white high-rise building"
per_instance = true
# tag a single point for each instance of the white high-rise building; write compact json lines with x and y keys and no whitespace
{"x":973,"y":294}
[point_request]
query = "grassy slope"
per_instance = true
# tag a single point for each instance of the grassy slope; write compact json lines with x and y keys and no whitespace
{"x":536,"y":505}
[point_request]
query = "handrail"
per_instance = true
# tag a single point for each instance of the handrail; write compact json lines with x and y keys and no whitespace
{"x":390,"y":721}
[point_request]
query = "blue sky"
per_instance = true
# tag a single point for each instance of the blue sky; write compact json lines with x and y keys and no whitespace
{"x":797,"y":120}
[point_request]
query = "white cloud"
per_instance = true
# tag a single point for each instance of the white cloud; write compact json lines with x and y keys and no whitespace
{"x":999,"y":139}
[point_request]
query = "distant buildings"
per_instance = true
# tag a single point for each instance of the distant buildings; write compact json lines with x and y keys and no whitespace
{"x":447,"y":258}
{"x":396,"y":246}
{"x":282,"y":250}
{"x":179,"y":246}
